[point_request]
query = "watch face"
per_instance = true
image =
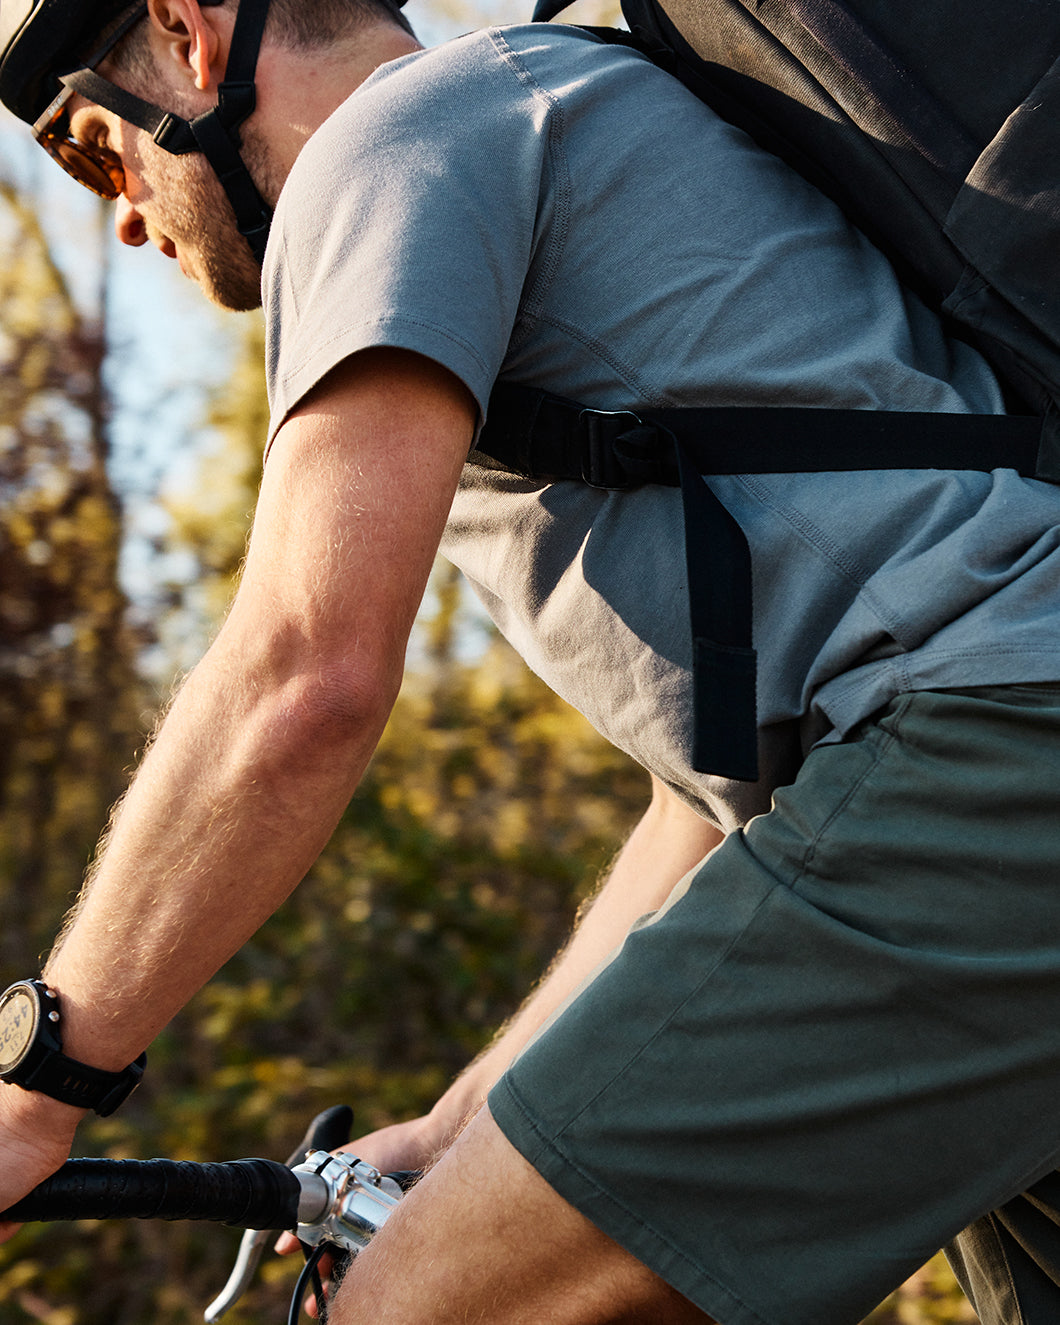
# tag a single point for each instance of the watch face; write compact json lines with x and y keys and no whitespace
{"x":18,"y":1023}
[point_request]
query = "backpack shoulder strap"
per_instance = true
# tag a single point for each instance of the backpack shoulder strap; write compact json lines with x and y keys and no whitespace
{"x":549,"y":437}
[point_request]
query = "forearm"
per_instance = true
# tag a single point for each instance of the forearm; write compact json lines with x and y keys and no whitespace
{"x":668,"y":841}
{"x":234,"y":801}
{"x":269,"y":735}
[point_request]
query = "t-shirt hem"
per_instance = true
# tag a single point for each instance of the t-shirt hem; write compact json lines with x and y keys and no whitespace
{"x":850,"y":698}
{"x":432,"y":341}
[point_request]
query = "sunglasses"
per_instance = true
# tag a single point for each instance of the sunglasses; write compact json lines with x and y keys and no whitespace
{"x":97,"y":168}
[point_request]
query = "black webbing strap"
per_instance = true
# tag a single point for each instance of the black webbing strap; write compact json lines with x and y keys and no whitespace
{"x":549,"y":437}
{"x":220,"y":146}
{"x":548,"y":9}
{"x":724,"y":665}
{"x":217,"y":132}
{"x":546,"y":437}
{"x":124,"y":104}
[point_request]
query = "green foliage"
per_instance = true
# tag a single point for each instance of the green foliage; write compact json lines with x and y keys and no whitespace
{"x":930,"y":1297}
{"x":212,"y":520}
{"x":68,"y":699}
{"x":488,"y":811}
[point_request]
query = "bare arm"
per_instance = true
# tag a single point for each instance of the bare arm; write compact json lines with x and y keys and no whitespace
{"x":270,"y":734}
{"x":669,"y":840}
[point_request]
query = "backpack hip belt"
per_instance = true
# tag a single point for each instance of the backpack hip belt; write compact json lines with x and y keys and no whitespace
{"x":549,"y":439}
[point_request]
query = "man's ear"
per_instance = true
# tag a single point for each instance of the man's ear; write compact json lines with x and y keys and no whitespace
{"x":196,"y":40}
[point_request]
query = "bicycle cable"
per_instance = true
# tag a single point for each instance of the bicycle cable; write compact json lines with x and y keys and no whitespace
{"x":310,"y":1274}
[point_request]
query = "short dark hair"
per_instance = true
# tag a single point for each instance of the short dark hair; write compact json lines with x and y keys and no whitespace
{"x":309,"y":23}
{"x":295,"y":24}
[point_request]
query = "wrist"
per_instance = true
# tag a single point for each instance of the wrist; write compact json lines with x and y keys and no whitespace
{"x":34,"y":1057}
{"x":30,"y":1111}
{"x":92,"y":1029}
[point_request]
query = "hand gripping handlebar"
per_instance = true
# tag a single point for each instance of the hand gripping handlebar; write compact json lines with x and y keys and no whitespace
{"x":337,"y":1200}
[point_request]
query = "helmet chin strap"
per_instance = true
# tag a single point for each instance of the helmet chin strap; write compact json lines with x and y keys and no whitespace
{"x":215,"y":133}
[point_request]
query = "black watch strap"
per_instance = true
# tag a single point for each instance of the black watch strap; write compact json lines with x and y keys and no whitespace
{"x":86,"y":1087}
{"x":31,"y":1053}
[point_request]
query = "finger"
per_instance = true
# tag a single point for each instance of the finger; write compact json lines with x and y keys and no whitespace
{"x":311,"y":1307}
{"x":8,"y":1230}
{"x":287,"y":1243}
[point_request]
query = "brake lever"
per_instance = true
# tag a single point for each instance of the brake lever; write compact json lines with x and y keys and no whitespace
{"x":327,"y":1131}
{"x":251,"y":1249}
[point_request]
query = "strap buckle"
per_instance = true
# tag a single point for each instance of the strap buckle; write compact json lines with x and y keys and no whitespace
{"x":620,"y":451}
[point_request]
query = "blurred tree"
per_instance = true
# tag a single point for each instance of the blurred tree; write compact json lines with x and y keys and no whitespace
{"x":211,"y":518}
{"x":930,"y":1297}
{"x":68,"y":695}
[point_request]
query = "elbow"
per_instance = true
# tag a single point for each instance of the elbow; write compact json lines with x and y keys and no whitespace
{"x":291,"y":703}
{"x":309,"y":737}
{"x":338,"y":703}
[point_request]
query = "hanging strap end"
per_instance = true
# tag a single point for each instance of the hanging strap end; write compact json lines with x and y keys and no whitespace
{"x":725,"y":729}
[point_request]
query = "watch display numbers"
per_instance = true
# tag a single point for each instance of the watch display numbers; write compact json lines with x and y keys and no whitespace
{"x":18,"y":1021}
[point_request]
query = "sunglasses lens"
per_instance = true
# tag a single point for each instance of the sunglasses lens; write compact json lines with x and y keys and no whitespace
{"x":94,"y":172}
{"x":95,"y":168}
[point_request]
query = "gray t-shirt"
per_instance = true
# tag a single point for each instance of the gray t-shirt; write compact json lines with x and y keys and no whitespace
{"x":530,"y":203}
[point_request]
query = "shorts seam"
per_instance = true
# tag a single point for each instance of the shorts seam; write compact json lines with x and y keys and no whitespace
{"x":902,"y":703}
{"x":670,"y":1016}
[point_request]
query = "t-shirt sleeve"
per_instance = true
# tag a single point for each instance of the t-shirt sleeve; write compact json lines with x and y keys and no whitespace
{"x":410,"y":220}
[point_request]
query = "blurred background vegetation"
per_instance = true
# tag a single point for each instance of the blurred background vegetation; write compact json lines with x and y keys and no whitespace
{"x":131,"y":423}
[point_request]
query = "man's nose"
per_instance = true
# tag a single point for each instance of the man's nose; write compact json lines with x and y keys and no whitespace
{"x":129,"y":224}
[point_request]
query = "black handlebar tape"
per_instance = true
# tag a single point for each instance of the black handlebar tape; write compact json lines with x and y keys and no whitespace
{"x":250,"y":1193}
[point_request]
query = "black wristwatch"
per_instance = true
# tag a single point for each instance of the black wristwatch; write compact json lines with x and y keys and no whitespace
{"x":31,"y":1054}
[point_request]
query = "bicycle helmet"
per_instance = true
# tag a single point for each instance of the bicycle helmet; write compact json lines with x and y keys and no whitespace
{"x":43,"y":46}
{"x":40,"y":38}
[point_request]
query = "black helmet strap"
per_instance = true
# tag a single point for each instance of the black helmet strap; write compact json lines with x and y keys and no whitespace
{"x":216,"y":132}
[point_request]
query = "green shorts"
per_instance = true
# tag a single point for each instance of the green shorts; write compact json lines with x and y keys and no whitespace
{"x":841,"y":1044}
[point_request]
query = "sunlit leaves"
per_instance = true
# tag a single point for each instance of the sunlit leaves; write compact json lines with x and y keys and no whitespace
{"x":67,"y":694}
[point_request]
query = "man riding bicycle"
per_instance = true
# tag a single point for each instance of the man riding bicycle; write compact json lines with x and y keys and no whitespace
{"x":805,"y":1035}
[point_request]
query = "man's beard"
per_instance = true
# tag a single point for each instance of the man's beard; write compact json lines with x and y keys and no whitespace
{"x":225,"y":266}
{"x":198,"y":217}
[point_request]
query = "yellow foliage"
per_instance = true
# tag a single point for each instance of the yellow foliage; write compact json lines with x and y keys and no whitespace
{"x":930,"y":1297}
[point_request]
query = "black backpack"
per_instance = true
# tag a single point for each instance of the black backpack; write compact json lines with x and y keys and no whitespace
{"x":935,"y":125}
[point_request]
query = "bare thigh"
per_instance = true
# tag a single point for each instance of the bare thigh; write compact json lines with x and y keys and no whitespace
{"x":485,"y":1239}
